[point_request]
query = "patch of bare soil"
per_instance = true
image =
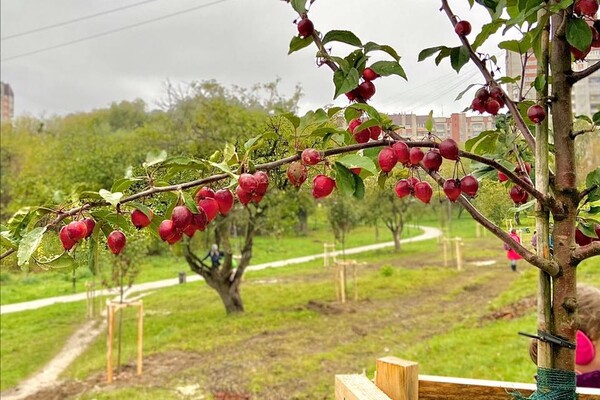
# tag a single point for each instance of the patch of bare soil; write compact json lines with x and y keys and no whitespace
{"x":232,"y":372}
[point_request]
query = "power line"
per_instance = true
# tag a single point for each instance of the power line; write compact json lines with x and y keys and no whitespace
{"x":72,"y":21}
{"x":83,"y":39}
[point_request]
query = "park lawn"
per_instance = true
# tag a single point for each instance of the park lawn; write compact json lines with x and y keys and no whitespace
{"x":16,"y":288}
{"x":29,"y":339}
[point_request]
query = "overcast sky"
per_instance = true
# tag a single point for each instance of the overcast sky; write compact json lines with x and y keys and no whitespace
{"x":239,"y":42}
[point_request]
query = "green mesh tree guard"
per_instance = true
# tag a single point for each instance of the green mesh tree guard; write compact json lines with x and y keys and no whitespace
{"x":552,"y":384}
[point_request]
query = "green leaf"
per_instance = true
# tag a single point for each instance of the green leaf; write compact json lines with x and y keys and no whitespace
{"x":372,"y":46}
{"x":294,"y":120}
{"x":29,"y":244}
{"x":250,"y":143}
{"x":484,"y":143}
{"x":342,"y":36}
{"x":121,"y":185}
{"x":579,"y":34}
{"x":225,"y":168}
{"x":62,"y":263}
{"x":333,"y":110}
{"x":593,"y":178}
{"x":387,"y":68}
{"x":190,"y":203}
{"x":508,"y":79}
{"x":344,"y":180}
{"x":444,"y":53}
{"x":539,"y":83}
{"x":512,"y":45}
{"x":588,"y":229}
{"x":357,"y":161}
{"x":460,"y":95}
{"x":596,"y":118}
{"x":298,"y":43}
{"x":459,"y":56}
{"x":112,"y":198}
{"x":366,"y":125}
{"x":523,"y":207}
{"x":143,"y":208}
{"x":184,"y":163}
{"x":429,"y":122}
{"x":7,"y":240}
{"x":486,"y":31}
{"x":345,"y":82}
{"x":359,"y":192}
{"x":20,"y":220}
{"x":153,"y":158}
{"x":117,"y":220}
{"x":350,"y":113}
{"x":370,"y":110}
{"x":561,"y":5}
{"x":299,"y":6}
{"x":426,"y":53}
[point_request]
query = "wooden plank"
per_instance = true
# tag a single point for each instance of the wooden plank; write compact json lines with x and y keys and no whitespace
{"x":449,"y":388}
{"x":398,"y":378}
{"x":357,"y":387}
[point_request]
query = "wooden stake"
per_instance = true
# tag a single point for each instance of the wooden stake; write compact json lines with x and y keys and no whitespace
{"x":459,"y":260}
{"x":109,"y":367}
{"x":445,"y":246}
{"x":398,"y":378}
{"x":140,"y":342}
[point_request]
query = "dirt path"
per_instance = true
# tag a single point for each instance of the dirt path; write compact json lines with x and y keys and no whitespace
{"x":412,"y":317}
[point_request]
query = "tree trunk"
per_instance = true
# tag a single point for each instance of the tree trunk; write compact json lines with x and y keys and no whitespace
{"x":564,"y":304}
{"x":224,"y":279}
{"x":302,"y":226}
{"x":230,"y":296}
{"x":396,"y":234}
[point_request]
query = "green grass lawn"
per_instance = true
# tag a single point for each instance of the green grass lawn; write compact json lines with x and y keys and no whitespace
{"x":15,"y":288}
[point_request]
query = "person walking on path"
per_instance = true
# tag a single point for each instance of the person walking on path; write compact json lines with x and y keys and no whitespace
{"x":215,"y":255}
{"x":512,"y":255}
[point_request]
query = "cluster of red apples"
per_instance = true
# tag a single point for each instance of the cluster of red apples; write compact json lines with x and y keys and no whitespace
{"x":297,"y":172}
{"x":517,"y":194}
{"x":366,"y":89}
{"x":489,"y":100}
{"x":400,"y":153}
{"x":76,"y":230}
{"x":251,"y":188}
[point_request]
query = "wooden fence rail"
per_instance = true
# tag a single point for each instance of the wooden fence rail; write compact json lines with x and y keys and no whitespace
{"x":398,"y":379}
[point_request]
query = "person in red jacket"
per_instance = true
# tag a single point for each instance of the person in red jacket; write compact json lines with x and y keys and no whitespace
{"x":512,"y":255}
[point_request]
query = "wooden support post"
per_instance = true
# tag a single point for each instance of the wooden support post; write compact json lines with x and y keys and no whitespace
{"x":111,"y":326}
{"x":445,"y":245}
{"x":398,"y":378}
{"x":459,"y":260}
{"x":355,"y":281}
{"x":113,"y":307}
{"x":140,"y":337}
{"x":343,"y":282}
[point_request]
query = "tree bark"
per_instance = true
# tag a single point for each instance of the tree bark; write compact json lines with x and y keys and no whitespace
{"x":563,"y":300}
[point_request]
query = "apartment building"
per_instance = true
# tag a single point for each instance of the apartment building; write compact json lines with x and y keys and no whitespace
{"x":457,"y":126}
{"x":7,"y":102}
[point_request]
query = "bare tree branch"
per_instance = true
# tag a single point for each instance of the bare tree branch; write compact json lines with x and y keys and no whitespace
{"x":512,"y":106}
{"x":579,"y":75}
{"x":573,"y":135}
{"x":584,"y":252}
{"x":587,"y":191}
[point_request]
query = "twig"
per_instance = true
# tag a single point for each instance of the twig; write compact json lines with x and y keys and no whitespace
{"x":585,"y":252}
{"x":512,"y":107}
{"x":579,"y":75}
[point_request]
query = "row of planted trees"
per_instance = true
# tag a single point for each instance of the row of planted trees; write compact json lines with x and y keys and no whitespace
{"x":553,"y":30}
